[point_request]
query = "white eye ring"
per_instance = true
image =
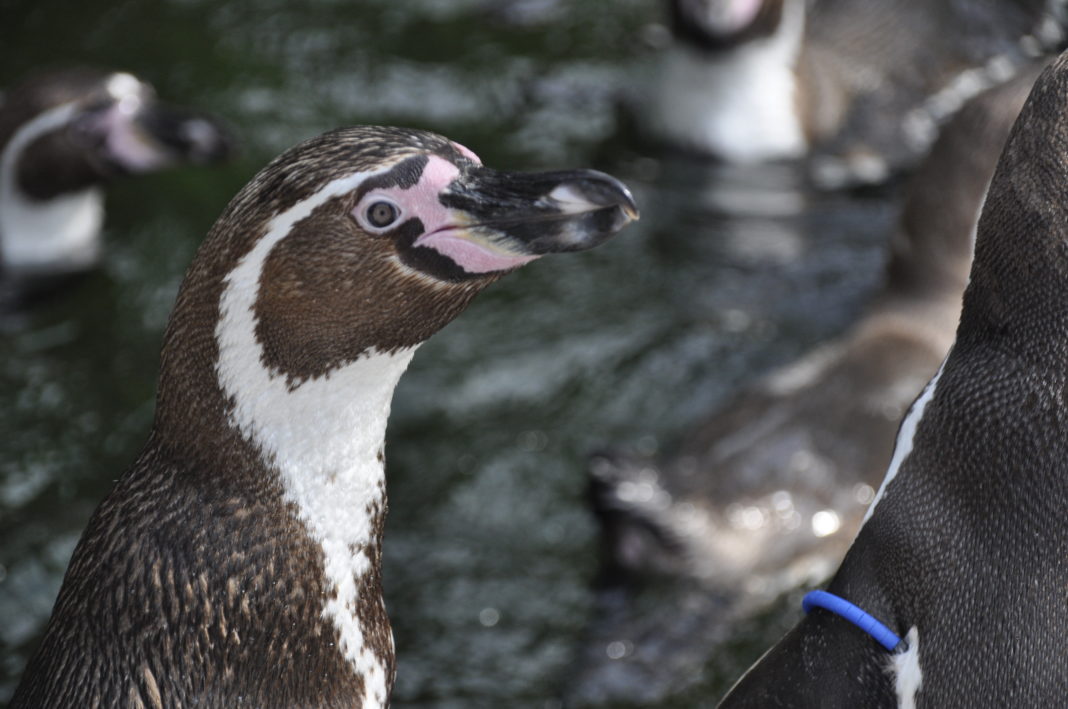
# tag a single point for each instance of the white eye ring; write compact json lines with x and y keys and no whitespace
{"x":377,"y":214}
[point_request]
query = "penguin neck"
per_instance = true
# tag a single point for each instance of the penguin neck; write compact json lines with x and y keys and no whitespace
{"x":60,"y":234}
{"x":325,"y":438}
{"x":1015,"y":300}
{"x":315,"y":443}
{"x":317,"y":450}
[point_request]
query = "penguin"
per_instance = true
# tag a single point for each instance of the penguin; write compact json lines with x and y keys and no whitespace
{"x":237,"y":562}
{"x":961,"y":565}
{"x":63,"y":136}
{"x":806,"y":436}
{"x":858,"y":88}
{"x":767,"y":494}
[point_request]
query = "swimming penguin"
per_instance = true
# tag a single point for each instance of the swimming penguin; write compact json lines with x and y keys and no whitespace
{"x":238,"y":561}
{"x":862,"y":87}
{"x":766,"y":495}
{"x":63,"y":136}
{"x":958,"y":575}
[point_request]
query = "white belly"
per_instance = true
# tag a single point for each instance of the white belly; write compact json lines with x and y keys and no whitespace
{"x":59,"y":235}
{"x":739,"y":105}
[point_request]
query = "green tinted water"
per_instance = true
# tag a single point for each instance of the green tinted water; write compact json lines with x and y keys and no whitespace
{"x":489,"y":548}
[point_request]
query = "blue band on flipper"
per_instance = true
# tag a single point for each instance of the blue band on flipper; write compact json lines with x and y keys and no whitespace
{"x":865,"y":621}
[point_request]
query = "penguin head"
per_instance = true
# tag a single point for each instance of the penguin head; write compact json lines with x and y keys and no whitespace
{"x":718,"y":25}
{"x":372,"y":239}
{"x":76,"y":128}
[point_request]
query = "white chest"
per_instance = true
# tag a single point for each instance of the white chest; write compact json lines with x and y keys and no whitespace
{"x":52,"y":236}
{"x":739,"y":105}
{"x":325,"y":438}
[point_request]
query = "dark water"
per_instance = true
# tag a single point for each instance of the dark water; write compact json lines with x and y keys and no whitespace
{"x":489,"y":548}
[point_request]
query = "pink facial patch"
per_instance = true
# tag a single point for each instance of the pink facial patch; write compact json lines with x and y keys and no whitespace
{"x":127,"y":143}
{"x":422,"y":200}
{"x":124,"y":140}
{"x":472,"y":256}
{"x":128,"y":146}
{"x":445,"y":230}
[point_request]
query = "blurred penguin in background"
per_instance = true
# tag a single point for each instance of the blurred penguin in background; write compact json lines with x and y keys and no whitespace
{"x":63,"y":136}
{"x":860,"y":86}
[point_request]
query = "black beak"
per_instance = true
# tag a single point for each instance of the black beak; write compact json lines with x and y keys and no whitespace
{"x":150,"y":136}
{"x":189,"y":136}
{"x":539,"y":213}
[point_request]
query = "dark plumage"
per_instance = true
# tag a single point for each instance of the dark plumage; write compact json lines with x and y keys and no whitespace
{"x":966,"y":551}
{"x":768,"y":492}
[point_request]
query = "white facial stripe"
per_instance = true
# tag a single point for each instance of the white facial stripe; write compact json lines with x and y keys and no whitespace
{"x":905,"y":437}
{"x":324,"y":436}
{"x":908,"y":677}
{"x":60,"y":234}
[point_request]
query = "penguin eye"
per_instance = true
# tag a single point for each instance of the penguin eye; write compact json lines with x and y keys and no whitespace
{"x":381,"y":214}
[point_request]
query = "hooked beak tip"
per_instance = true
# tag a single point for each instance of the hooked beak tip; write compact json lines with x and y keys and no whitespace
{"x":589,"y":190}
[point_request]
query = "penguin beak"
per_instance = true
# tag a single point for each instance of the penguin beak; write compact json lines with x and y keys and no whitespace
{"x":187,"y":135}
{"x":500,"y":220}
{"x":143,"y":136}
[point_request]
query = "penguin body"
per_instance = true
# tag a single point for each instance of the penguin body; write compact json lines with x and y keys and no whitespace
{"x":964,"y":552}
{"x":237,"y":562}
{"x":63,"y":136}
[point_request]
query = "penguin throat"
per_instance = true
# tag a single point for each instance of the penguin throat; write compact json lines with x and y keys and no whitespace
{"x":324,"y":438}
{"x":50,"y":236}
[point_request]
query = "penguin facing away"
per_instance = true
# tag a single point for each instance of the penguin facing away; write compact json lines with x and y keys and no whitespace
{"x":65,"y":134}
{"x":796,"y":446}
{"x":766,"y":493}
{"x":964,"y":553}
{"x":237,"y":562}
